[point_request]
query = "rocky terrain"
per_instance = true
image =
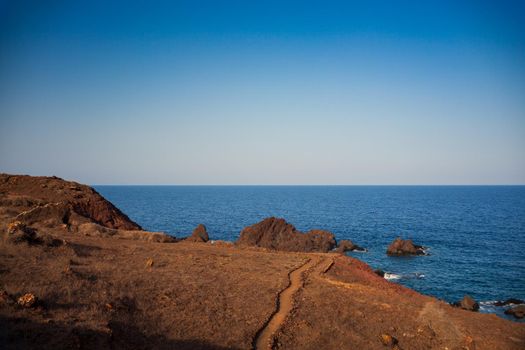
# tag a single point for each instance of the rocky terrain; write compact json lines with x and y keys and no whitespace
{"x":277,"y":234}
{"x":75,"y":272}
{"x":49,"y":206}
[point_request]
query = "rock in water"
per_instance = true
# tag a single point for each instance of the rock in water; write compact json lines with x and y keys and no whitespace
{"x":467,"y":303}
{"x":348,"y":246}
{"x":199,"y":234}
{"x":275,"y":233}
{"x":401,"y":247}
{"x":516,"y":311}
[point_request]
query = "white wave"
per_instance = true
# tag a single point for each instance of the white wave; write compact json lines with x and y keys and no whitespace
{"x":395,"y":276}
{"x":490,"y":307}
{"x":426,"y":251}
{"x":391,"y":276}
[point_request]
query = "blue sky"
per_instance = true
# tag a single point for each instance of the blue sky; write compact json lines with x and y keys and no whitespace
{"x":223,"y":92}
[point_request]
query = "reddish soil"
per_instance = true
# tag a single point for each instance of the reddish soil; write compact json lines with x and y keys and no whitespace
{"x":101,"y":291}
{"x":19,"y":192}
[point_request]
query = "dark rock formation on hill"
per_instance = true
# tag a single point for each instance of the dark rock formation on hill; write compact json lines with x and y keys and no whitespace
{"x":276,"y":233}
{"x":53,"y":197}
{"x":199,"y":234}
{"x":30,"y":207}
{"x":348,"y":246}
{"x":401,"y":247}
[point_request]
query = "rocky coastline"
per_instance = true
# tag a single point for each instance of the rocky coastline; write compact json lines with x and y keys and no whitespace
{"x":77,"y":272}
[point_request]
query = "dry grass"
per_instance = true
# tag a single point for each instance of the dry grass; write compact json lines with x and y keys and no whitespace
{"x":193,"y":291}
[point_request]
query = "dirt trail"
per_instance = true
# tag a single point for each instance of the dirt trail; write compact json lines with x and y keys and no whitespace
{"x":264,"y":339}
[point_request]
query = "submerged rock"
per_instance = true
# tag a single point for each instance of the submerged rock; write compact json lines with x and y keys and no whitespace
{"x":199,"y":234}
{"x":275,"y":233}
{"x":516,"y":311}
{"x":401,"y":247}
{"x":348,"y":246}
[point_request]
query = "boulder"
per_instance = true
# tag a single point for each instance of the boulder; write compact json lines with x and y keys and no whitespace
{"x":199,"y":234}
{"x":402,"y":247}
{"x":467,"y":303}
{"x":388,"y":340}
{"x":27,"y":300}
{"x":348,"y":246}
{"x":276,"y":233}
{"x":516,"y":311}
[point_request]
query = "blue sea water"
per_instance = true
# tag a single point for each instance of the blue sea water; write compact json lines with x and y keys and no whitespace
{"x":476,"y":234}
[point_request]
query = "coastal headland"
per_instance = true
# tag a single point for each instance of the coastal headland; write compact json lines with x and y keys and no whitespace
{"x":76,"y":272}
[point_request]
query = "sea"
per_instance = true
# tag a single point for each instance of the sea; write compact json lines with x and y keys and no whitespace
{"x":475,"y":234}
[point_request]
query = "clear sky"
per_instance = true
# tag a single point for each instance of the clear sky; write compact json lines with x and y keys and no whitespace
{"x":246,"y":92}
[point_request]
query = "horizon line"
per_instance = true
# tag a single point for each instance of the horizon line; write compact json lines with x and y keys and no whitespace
{"x":309,"y":185}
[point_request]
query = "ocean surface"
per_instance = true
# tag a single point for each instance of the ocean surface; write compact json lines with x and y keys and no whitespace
{"x":475,"y":234}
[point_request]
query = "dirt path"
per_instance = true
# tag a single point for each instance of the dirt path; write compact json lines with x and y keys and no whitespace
{"x":264,"y":339}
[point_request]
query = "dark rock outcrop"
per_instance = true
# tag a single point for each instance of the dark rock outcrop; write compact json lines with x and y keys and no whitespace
{"x":34,"y":206}
{"x":52,"y":201}
{"x":402,"y":247}
{"x":516,"y":311}
{"x":467,"y":303}
{"x":277,"y":234}
{"x":199,"y":234}
{"x":348,"y":246}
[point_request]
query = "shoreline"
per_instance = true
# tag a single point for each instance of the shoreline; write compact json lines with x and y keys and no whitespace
{"x":111,"y":287}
